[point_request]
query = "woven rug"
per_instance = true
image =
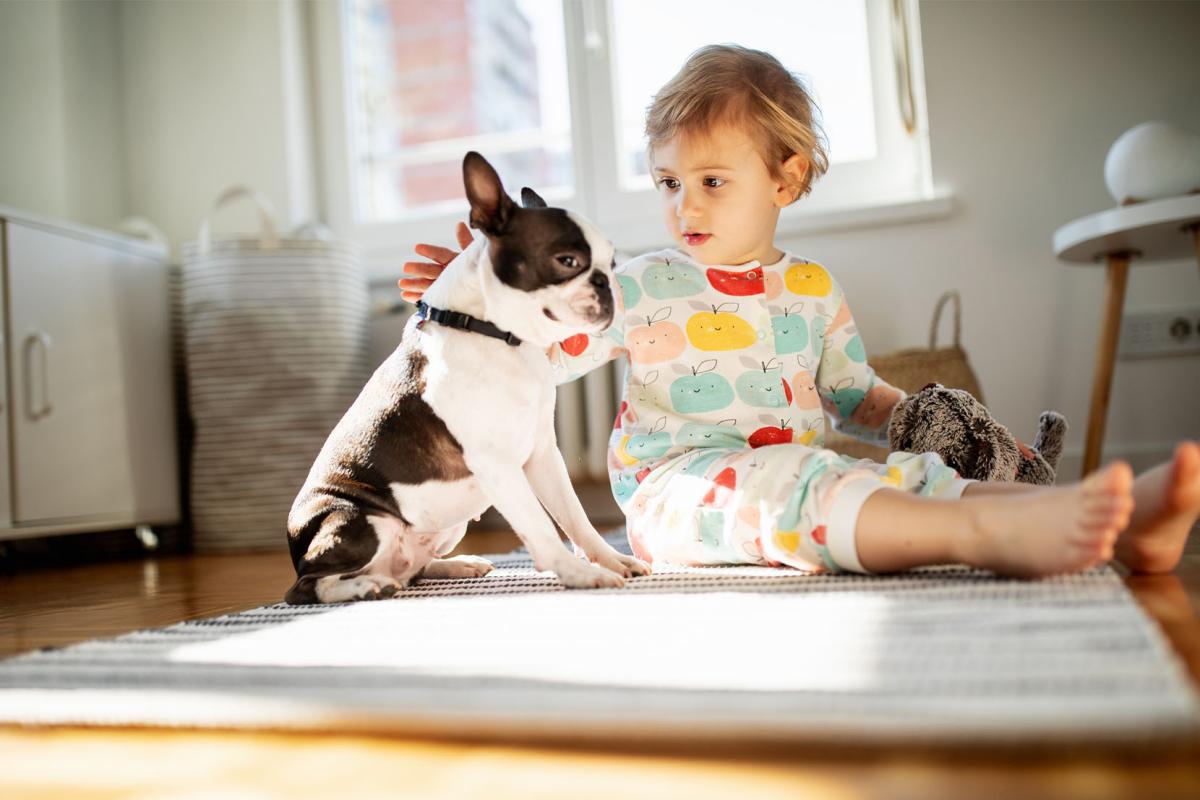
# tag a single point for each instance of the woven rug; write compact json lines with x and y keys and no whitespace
{"x":942,"y":654}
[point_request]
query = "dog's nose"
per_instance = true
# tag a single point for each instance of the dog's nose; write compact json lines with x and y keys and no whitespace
{"x":599,"y":280}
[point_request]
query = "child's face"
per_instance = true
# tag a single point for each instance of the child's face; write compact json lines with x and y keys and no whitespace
{"x":719,"y":200}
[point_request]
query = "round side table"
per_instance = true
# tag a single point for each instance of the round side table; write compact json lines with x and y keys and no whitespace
{"x":1157,"y":230}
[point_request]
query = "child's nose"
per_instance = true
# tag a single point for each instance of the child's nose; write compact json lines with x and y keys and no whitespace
{"x":689,"y":204}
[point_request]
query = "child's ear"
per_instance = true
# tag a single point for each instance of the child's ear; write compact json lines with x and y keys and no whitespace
{"x":794,"y":169}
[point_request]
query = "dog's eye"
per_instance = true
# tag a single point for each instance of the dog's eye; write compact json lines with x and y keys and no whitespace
{"x":570,"y":262}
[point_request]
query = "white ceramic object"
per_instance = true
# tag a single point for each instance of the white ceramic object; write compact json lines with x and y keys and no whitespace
{"x":1151,"y":161}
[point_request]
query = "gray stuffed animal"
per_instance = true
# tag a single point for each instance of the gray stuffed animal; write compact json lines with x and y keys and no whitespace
{"x":956,"y":426}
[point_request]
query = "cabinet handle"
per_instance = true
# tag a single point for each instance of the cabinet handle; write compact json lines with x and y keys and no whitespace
{"x":42,"y":342}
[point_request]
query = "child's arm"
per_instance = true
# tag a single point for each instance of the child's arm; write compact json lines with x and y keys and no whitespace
{"x":857,"y":400}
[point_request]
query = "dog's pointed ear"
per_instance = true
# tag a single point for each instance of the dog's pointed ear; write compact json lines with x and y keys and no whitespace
{"x":491,"y":207}
{"x":531,"y":199}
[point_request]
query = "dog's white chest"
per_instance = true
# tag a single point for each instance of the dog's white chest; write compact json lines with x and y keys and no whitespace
{"x":498,"y":400}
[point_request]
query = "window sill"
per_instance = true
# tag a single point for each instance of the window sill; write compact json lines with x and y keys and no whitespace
{"x":938,"y":206}
{"x":384,"y":262}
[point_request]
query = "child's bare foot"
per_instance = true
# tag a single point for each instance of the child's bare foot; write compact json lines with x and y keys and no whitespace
{"x":1055,"y":531}
{"x":1166,"y":504}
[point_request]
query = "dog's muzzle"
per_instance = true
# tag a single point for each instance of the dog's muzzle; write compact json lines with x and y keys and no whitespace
{"x":604,"y":298}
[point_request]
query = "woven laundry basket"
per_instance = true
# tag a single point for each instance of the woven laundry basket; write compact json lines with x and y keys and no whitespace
{"x":913,"y":369}
{"x":275,"y":345}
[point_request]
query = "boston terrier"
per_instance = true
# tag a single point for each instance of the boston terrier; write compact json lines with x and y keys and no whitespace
{"x":461,"y":417}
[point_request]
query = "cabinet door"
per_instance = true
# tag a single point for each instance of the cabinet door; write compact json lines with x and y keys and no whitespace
{"x":70,"y":431}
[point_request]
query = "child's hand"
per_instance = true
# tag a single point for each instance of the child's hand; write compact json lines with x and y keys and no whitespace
{"x":423,"y":273}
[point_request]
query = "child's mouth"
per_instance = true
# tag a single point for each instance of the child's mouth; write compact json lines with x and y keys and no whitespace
{"x":694,"y":239}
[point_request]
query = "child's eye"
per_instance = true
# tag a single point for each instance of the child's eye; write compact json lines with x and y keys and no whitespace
{"x":669,"y":183}
{"x":713,"y":182}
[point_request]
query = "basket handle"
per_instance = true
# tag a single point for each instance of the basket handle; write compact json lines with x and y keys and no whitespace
{"x":937,"y":318}
{"x":268,"y":230}
{"x":144,"y":229}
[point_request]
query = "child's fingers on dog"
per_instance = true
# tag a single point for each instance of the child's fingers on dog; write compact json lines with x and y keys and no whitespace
{"x":440,"y":255}
{"x":421,"y":270}
{"x":463,"y":234}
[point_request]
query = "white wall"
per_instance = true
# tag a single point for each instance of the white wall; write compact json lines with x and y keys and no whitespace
{"x":1024,"y":101}
{"x":113,"y":109}
{"x":60,"y":101}
{"x":214,"y":97}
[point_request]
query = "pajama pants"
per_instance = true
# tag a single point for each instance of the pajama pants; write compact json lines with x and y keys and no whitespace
{"x":779,"y":505}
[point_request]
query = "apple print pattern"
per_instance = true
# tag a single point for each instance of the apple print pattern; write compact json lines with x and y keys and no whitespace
{"x":713,"y":347}
{"x":732,"y":359}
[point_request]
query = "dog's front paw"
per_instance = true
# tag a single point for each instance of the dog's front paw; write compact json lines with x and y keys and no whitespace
{"x":578,"y":575}
{"x":610,"y":559}
{"x":631,"y":567}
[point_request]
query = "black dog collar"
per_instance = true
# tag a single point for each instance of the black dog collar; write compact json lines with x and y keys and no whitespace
{"x":457,"y":319}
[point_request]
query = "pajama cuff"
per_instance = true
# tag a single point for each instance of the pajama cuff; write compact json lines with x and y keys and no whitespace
{"x":843,"y":518}
{"x":954,"y":489}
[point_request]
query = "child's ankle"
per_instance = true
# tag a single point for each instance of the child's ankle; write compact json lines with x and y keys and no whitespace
{"x":972,"y":543}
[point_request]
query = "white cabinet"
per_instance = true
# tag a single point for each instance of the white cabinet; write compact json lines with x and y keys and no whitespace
{"x":88,"y":439}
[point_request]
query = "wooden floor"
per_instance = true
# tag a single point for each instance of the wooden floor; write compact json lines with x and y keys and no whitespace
{"x":51,"y":607}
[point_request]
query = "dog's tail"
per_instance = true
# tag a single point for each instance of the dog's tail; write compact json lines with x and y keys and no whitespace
{"x":1052,"y":431}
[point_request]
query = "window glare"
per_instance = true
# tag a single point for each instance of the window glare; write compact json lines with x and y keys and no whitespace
{"x":824,"y":41}
{"x":430,"y":79}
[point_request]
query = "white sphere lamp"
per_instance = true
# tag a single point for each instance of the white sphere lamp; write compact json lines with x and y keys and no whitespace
{"x":1151,"y":161}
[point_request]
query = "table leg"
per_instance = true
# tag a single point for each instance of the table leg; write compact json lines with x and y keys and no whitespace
{"x":1110,"y":327}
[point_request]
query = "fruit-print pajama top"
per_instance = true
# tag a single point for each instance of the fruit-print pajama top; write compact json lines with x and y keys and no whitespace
{"x":726,"y":363}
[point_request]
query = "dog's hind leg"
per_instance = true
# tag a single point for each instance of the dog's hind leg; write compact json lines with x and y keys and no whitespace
{"x":356,"y":556}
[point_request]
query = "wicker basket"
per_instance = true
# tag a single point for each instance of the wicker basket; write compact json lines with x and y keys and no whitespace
{"x":912,"y":369}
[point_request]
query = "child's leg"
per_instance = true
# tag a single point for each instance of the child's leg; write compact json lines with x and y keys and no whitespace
{"x":1031,"y":532}
{"x":1166,"y":504}
{"x":785,"y":504}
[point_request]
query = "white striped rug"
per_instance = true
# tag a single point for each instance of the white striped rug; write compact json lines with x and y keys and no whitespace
{"x":747,"y":653}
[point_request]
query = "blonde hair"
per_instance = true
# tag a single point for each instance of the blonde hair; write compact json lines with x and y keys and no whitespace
{"x":748,"y":88}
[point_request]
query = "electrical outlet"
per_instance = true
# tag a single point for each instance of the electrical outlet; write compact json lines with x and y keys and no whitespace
{"x":1160,"y":333}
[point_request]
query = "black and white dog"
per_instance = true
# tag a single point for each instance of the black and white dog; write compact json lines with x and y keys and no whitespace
{"x":461,"y":417}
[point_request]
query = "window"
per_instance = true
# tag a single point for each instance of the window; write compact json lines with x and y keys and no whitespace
{"x":553,"y":93}
{"x":429,"y":81}
{"x":650,"y":41}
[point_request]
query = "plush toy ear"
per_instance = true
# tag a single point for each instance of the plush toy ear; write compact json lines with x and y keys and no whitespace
{"x":994,"y":455}
{"x":981,"y":453}
{"x":1052,"y":431}
{"x":491,"y":207}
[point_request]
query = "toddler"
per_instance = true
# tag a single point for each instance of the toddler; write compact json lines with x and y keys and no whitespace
{"x":739,"y":352}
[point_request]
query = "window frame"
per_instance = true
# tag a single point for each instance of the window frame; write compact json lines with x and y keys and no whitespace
{"x":900,"y":176}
